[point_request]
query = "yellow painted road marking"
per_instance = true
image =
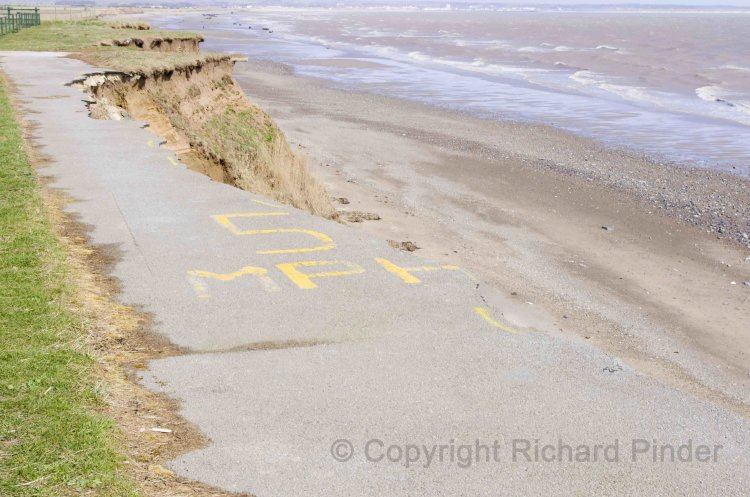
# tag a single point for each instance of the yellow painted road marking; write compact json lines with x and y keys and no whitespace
{"x":225,"y":220}
{"x":200,"y":288}
{"x":327,"y":241}
{"x":150,"y":143}
{"x":405,"y":272}
{"x":172,"y":160}
{"x":263,"y":202}
{"x":304,"y":280}
{"x":485,"y":314}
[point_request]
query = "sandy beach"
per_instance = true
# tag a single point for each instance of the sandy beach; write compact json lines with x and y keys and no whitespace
{"x":594,"y":242}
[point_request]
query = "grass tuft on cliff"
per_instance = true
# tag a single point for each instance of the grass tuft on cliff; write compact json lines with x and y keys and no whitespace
{"x":144,"y":62}
{"x":52,"y":441}
{"x":257,"y":155}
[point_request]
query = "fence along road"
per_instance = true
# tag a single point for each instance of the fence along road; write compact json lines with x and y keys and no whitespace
{"x":310,"y":343}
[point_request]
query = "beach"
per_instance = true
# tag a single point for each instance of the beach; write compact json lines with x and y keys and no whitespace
{"x":671,"y":83}
{"x":642,"y":257}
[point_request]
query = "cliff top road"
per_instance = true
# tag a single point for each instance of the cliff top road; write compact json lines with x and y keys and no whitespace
{"x":322,"y":362}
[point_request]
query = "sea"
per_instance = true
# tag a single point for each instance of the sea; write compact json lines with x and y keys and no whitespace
{"x":673,"y":84}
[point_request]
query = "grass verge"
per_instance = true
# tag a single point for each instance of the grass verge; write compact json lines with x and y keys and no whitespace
{"x":84,"y":37}
{"x":72,"y":36}
{"x":53,"y":441}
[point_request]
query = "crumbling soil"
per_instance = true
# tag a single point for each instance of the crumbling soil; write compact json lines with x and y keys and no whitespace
{"x":358,"y":216}
{"x":206,"y":119}
{"x":189,"y":44}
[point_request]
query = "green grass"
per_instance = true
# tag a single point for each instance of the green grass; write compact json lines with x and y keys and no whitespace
{"x":134,"y":60}
{"x":241,"y":128}
{"x":49,"y":429}
{"x":61,"y":36}
{"x":84,"y":36}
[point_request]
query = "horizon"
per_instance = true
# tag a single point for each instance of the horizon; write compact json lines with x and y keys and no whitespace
{"x":335,"y":3}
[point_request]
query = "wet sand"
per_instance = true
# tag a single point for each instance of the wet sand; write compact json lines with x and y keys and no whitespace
{"x":524,"y":208}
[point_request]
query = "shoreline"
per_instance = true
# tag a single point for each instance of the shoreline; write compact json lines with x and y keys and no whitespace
{"x":526,"y":215}
{"x":675,"y":120}
{"x":715,"y":198}
{"x":696,"y":195}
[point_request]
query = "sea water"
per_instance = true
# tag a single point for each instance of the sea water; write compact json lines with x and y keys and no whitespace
{"x":674,"y":84}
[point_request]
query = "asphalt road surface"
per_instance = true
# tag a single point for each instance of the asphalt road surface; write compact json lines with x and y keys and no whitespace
{"x":323,"y":362}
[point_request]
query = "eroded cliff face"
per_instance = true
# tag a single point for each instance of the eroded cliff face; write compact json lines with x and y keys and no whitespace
{"x":186,"y":44}
{"x":205,"y":117}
